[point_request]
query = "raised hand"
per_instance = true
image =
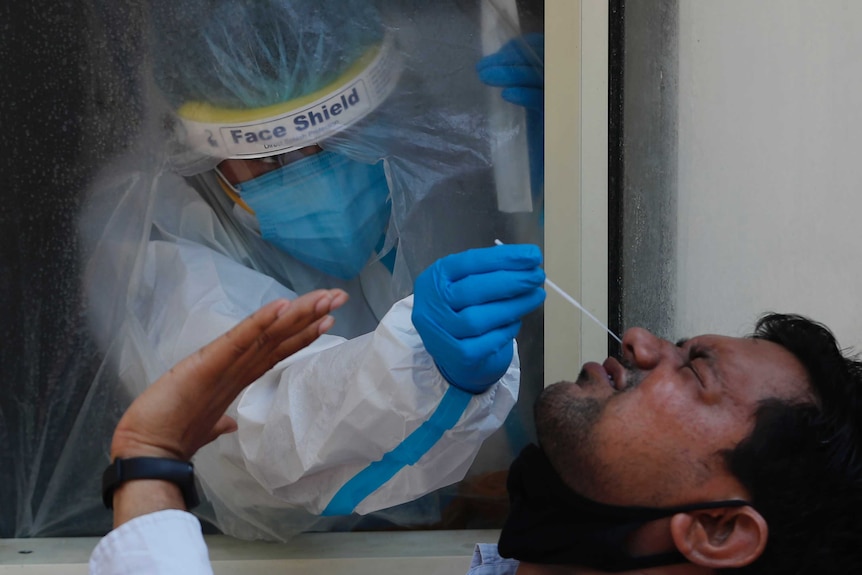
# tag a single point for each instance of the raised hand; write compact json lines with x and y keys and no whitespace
{"x":185,"y":409}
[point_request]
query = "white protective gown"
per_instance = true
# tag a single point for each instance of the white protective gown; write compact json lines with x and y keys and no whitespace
{"x":357,"y":422}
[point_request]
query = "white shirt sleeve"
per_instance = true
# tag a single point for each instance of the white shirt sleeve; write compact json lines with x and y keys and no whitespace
{"x":487,"y":561}
{"x":162,"y":543}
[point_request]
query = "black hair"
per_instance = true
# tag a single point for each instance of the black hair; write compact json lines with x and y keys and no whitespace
{"x":802,"y":461}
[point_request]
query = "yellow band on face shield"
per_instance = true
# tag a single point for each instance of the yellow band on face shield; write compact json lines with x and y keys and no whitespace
{"x":259,"y":132}
{"x":205,"y":112}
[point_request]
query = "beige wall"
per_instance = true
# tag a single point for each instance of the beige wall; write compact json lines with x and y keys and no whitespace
{"x":770,"y":164}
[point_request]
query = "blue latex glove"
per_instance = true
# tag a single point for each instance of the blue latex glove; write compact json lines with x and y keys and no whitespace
{"x":467,"y":308}
{"x":519,"y":68}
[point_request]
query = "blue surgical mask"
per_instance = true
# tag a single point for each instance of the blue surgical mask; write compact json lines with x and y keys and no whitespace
{"x":326,"y":210}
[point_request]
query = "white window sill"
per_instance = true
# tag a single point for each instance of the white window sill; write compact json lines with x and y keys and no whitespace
{"x":372,"y":553}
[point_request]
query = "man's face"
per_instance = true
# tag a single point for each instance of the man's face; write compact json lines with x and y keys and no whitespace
{"x":650,"y":429}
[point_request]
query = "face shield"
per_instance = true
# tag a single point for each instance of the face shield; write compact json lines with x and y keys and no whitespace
{"x":232,"y":73}
{"x":207,"y":134}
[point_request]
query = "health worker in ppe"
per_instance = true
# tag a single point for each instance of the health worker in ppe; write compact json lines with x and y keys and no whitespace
{"x":280,"y":184}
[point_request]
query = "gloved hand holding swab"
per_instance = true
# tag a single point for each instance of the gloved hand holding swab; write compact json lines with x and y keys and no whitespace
{"x":573,"y":301}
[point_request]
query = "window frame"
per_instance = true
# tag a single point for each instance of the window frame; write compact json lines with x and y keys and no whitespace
{"x":577,"y":99}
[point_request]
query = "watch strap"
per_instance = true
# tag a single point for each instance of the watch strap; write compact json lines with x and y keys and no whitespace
{"x":181,"y":473}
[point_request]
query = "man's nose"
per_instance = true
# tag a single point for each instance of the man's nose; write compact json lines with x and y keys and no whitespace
{"x":642,"y":348}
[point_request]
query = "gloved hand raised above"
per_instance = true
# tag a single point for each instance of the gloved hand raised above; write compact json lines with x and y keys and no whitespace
{"x":519,"y":68}
{"x":468,"y":306}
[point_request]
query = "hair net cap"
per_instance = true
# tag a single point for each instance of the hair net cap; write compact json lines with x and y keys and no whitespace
{"x":256,"y":133}
{"x":253,"y":79}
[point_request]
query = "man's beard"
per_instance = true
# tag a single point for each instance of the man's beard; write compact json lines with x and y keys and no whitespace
{"x":565,"y":426}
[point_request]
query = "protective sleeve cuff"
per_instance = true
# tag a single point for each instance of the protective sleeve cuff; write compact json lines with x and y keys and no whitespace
{"x":475,"y":389}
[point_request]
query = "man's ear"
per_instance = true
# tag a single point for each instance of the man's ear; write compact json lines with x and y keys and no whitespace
{"x":720,"y":538}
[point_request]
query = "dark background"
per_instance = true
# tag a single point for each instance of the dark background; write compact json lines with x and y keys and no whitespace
{"x":63,"y":111}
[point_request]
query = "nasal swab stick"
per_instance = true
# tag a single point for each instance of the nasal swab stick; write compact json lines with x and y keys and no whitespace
{"x":574,"y":302}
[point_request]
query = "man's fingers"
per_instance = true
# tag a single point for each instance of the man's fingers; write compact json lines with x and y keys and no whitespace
{"x":263,"y":331}
{"x":225,"y":366}
{"x":302,"y":313}
{"x":268,"y":325}
{"x":300,"y":340}
{"x":225,"y":351}
{"x":296,"y":326}
{"x":187,"y":403}
{"x":339,"y":298}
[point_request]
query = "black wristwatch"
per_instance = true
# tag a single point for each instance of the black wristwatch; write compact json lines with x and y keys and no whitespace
{"x":182,"y":473}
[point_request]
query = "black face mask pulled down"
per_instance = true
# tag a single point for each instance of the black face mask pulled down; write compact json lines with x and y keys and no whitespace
{"x":549,"y":523}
